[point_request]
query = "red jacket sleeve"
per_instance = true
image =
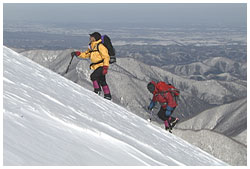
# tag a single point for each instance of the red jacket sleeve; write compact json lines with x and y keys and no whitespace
{"x":154,"y":98}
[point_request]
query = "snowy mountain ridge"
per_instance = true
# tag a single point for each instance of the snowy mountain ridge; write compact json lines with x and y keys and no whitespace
{"x":49,"y":120}
{"x":218,"y":68}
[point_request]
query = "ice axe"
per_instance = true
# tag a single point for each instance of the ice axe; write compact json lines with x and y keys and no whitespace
{"x":72,"y":57}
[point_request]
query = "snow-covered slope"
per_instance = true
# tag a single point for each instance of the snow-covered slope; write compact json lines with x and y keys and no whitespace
{"x":132,"y":77}
{"x":49,"y":120}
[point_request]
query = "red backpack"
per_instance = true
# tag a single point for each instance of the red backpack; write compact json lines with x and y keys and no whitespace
{"x":163,"y":88}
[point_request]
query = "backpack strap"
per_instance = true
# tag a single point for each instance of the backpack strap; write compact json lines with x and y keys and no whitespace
{"x":96,"y":51}
{"x":96,"y":63}
{"x":97,"y":48}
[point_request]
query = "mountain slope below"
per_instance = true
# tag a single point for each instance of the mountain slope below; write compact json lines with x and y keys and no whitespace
{"x":228,"y":119}
{"x":220,"y":146}
{"x":49,"y":120}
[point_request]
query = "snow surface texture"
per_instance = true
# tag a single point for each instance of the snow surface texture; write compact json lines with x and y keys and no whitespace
{"x":49,"y":120}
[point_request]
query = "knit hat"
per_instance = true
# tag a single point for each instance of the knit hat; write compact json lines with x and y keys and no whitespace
{"x":151,"y":87}
{"x":96,"y":35}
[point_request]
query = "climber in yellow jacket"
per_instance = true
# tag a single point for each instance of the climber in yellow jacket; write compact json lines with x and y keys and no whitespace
{"x":99,"y":58}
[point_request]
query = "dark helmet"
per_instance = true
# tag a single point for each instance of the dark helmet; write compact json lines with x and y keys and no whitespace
{"x":151,"y":87}
{"x":96,"y":35}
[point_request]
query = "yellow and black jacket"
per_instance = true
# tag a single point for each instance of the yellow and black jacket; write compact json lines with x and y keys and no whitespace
{"x":96,"y":55}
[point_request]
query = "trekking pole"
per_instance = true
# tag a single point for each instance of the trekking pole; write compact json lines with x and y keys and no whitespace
{"x":69,"y":64}
{"x":151,"y":115}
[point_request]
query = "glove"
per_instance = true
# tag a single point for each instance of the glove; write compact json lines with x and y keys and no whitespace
{"x":105,"y":70}
{"x":151,"y":105}
{"x":76,"y":53}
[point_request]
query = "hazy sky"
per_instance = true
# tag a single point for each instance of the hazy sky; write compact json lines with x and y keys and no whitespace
{"x":233,"y":14}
